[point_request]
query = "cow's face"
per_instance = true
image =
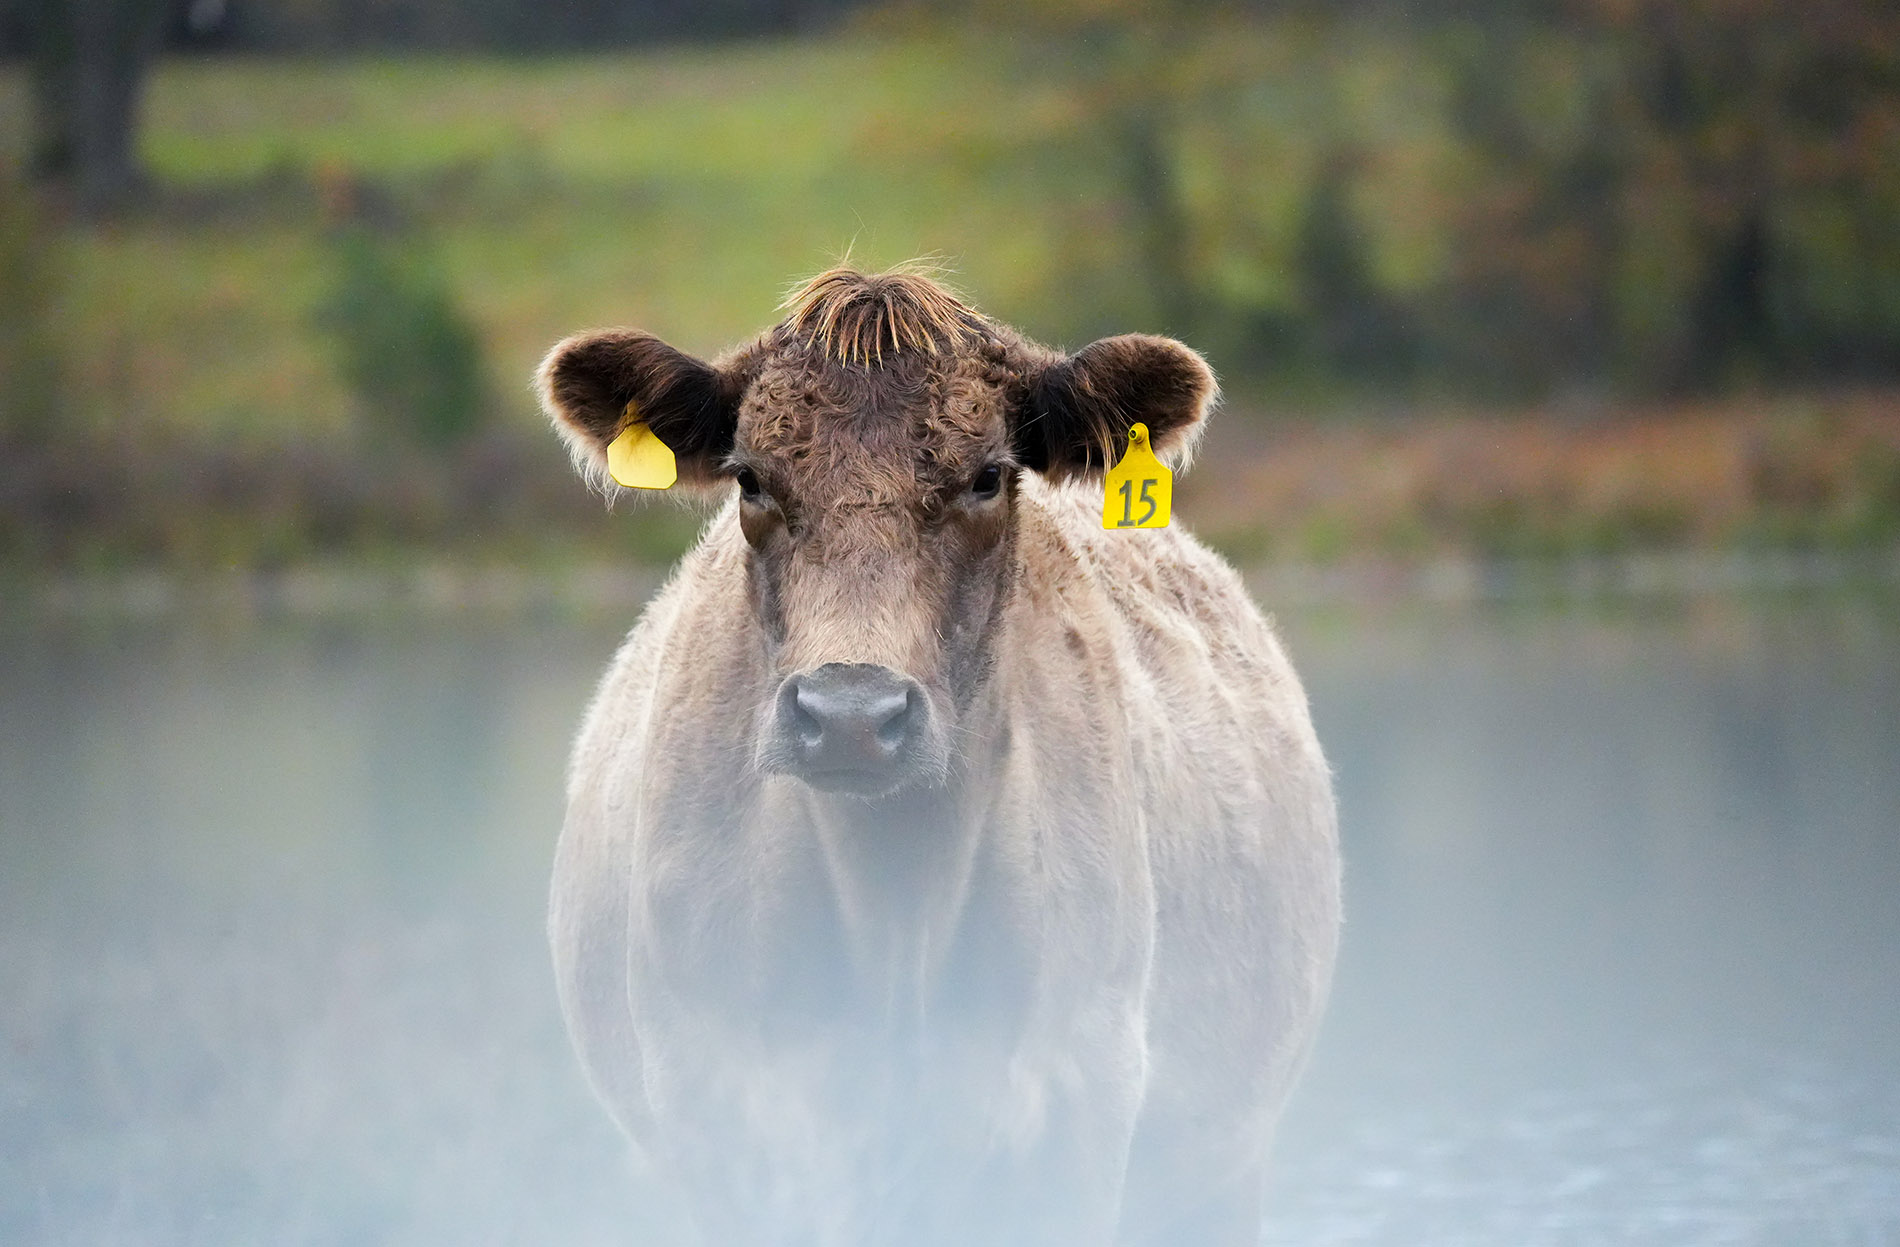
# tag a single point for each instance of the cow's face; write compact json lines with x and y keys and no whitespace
{"x":875,"y":441}
{"x":876,"y":505}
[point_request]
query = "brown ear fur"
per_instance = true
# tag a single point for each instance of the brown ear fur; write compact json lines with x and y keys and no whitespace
{"x":587,"y":381}
{"x":1080,"y":407}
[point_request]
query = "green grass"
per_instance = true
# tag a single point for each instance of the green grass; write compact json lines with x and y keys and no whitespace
{"x":681,"y":191}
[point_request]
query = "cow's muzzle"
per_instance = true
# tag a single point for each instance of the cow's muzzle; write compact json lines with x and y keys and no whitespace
{"x":851,"y":727}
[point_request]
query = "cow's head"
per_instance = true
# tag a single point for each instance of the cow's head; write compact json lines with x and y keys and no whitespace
{"x":875,"y":439}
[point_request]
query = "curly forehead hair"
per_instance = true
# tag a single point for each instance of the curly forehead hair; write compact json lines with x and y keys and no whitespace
{"x":855,"y":317}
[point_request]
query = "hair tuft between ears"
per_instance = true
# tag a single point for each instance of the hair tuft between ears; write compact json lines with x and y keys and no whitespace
{"x":1081,"y":407}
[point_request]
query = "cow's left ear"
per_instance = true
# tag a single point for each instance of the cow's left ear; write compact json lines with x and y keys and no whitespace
{"x":1079,"y":407}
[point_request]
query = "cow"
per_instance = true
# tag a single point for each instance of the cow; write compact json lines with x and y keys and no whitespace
{"x":940,"y":866}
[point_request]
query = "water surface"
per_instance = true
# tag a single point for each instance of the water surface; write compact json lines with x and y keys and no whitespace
{"x":1622,"y":963}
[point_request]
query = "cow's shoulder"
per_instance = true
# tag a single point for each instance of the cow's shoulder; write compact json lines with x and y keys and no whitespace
{"x":1207,"y":685}
{"x":1172,"y":591}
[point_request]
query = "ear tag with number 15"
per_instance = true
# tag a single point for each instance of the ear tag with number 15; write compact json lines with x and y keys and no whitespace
{"x":1138,"y":491}
{"x":638,"y":458}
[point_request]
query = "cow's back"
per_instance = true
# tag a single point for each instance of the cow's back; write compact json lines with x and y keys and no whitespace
{"x":1242,"y":843}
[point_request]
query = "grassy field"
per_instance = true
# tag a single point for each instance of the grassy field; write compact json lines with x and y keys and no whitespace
{"x":681,"y":194}
{"x":680,"y":190}
{"x":683,"y":190}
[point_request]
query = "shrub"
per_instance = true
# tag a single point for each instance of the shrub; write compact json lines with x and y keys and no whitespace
{"x":405,"y":347}
{"x":29,"y":350}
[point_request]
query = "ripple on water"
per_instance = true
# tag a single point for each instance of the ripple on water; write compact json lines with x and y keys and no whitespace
{"x":1778,"y":1163}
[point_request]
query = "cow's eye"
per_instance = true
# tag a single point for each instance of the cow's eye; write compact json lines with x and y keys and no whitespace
{"x":749,"y":487}
{"x":988,"y":481}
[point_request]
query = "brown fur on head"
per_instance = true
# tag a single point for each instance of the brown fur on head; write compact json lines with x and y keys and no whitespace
{"x":1066,"y":415}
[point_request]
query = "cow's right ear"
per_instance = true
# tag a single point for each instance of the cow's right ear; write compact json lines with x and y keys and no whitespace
{"x":593,"y":385}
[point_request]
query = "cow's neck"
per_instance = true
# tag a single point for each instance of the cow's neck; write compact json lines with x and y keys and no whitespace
{"x":899,"y":871}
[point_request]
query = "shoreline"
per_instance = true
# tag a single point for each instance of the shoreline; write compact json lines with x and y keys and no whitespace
{"x":608,"y":590}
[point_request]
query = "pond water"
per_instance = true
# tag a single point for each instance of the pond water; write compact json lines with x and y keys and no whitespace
{"x":1622,"y":963}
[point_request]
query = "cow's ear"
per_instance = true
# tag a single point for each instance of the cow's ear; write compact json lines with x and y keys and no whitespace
{"x":1078,"y":408}
{"x":594,"y":384}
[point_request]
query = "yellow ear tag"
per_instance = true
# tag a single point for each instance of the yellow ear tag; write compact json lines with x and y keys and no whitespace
{"x":1139,"y":491}
{"x":638,"y":458}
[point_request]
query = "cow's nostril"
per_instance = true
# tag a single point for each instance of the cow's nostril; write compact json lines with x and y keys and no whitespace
{"x":806,"y":724}
{"x":895,"y":730}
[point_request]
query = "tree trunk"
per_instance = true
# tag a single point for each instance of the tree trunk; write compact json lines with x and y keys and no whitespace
{"x":1160,"y":222}
{"x":89,"y":65}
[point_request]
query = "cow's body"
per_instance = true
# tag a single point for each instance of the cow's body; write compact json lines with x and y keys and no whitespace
{"x":1055,"y":992}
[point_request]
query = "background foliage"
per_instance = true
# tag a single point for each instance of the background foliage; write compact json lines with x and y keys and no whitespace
{"x":345,"y":231}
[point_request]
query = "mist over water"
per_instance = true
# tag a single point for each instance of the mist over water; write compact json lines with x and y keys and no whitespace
{"x":1622,"y":954}
{"x":1622,"y":957}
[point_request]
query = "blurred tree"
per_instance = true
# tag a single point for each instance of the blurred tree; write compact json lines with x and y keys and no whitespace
{"x":1530,"y":286}
{"x":1757,"y":118}
{"x":90,"y":59}
{"x":1142,"y":128}
{"x":1358,"y":330}
{"x":29,"y":353}
{"x":403,"y":343}
{"x":492,"y":25}
{"x":1140,"y":71}
{"x":1676,"y":192}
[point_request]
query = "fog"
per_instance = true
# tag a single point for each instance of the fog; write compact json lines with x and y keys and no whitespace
{"x":1621,"y":964}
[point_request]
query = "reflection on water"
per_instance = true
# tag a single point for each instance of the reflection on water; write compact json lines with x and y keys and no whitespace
{"x":1622,"y":961}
